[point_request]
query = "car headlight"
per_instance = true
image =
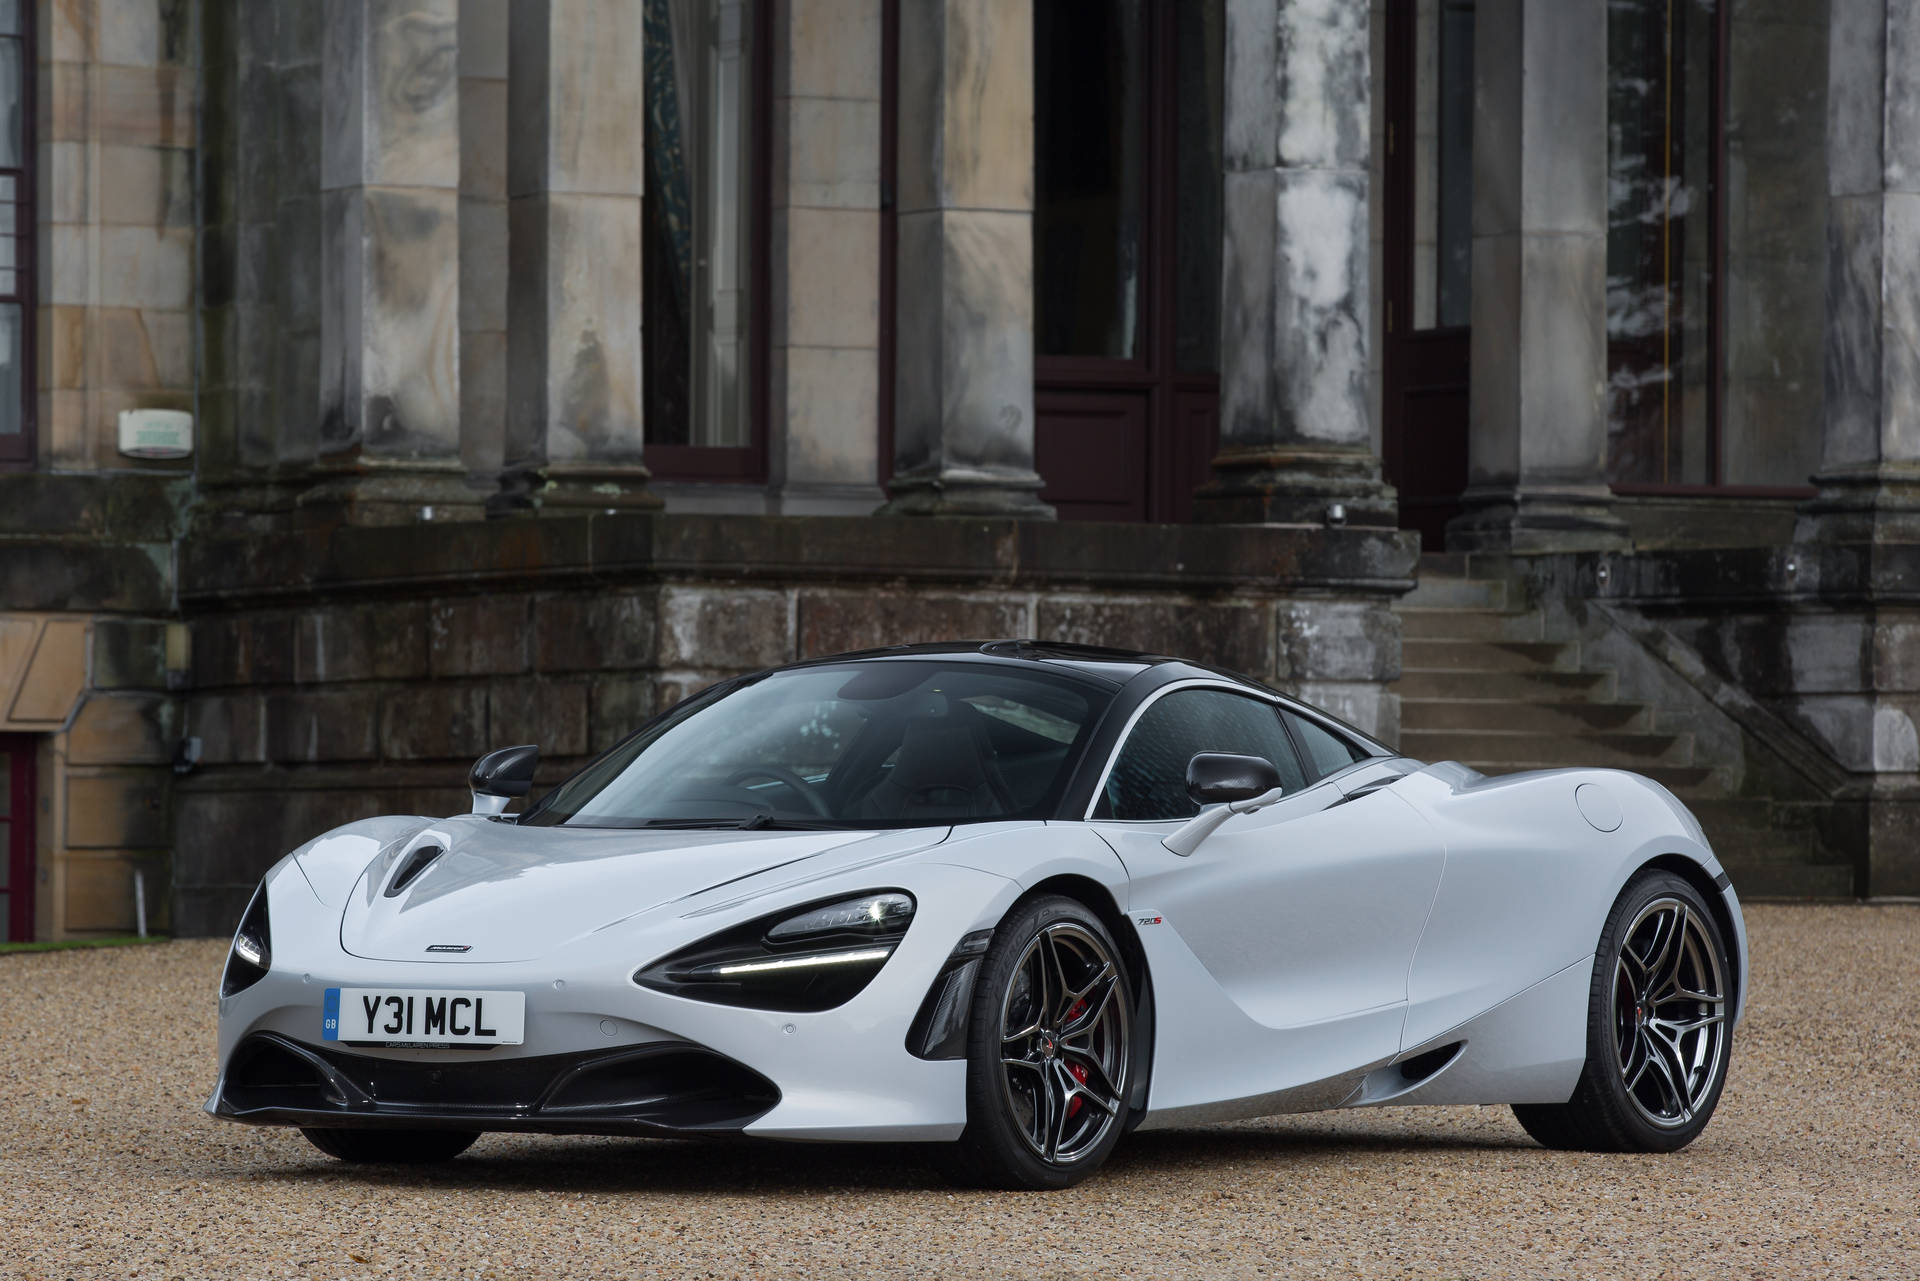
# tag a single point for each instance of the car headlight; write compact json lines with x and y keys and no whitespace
{"x":804,"y":960}
{"x":252,"y":953}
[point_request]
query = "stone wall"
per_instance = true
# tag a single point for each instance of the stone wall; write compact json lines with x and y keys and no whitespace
{"x":360,"y":672}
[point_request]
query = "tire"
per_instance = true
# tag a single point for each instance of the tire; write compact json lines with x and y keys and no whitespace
{"x":1075,"y":1052}
{"x":391,"y":1147}
{"x":1659,"y":1035}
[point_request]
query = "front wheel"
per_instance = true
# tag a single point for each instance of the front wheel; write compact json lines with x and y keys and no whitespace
{"x":1659,"y":1029}
{"x":391,"y":1147}
{"x":1049,"y":1053}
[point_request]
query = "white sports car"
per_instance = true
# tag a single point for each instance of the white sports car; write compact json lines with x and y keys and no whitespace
{"x":1009,"y":900}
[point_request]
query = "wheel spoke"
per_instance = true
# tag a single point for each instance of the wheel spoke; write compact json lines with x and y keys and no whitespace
{"x":1671,"y":1074}
{"x":1680,"y":1027}
{"x":1026,"y":1033}
{"x":1053,"y":981}
{"x":1099,"y":1087}
{"x":1029,"y":1065}
{"x":1056,"y":1111}
{"x":1663,"y":972}
{"x":1098,"y":995}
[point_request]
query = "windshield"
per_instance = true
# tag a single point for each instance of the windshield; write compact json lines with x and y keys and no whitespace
{"x":894,"y":743}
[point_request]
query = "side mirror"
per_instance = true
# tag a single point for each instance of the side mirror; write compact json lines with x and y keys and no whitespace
{"x":498,"y":777}
{"x":1228,"y":785}
{"x":1220,"y":778}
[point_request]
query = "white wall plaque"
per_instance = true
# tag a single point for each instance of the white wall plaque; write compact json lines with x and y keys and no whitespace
{"x":156,"y":433}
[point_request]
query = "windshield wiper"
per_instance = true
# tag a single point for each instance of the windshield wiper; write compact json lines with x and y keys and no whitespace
{"x":752,"y":823}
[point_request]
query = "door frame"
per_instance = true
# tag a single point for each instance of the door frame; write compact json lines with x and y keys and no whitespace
{"x":21,"y":750}
{"x":1402,"y":346}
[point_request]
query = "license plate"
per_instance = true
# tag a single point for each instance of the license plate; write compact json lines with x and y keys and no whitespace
{"x":423,"y":1016}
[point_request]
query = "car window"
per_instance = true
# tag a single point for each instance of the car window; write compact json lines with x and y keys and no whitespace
{"x":1326,"y":750}
{"x":873,"y":744}
{"x":1149,"y":777}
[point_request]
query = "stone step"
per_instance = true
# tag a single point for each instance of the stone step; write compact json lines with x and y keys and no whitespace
{"x":1441,"y":591}
{"x":1488,"y":656}
{"x":1469,"y":624}
{"x":1753,"y":881}
{"x":1549,"y":751}
{"x":1564,"y":687}
{"x":1532,"y":717}
{"x":1736,"y":845}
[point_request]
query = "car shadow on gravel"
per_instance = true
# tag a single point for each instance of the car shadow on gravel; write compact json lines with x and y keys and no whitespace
{"x":696,"y":1166}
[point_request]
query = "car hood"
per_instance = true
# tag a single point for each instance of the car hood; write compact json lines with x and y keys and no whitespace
{"x":511,"y":893}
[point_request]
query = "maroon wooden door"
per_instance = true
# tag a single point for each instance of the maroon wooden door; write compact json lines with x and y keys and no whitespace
{"x":1428,"y":203}
{"x":1126,"y":254}
{"x":16,"y":838}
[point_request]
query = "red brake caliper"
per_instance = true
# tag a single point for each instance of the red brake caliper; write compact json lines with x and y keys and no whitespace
{"x":1079,"y":1070}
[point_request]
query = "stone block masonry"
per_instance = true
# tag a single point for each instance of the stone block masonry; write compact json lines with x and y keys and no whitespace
{"x":357,"y":671}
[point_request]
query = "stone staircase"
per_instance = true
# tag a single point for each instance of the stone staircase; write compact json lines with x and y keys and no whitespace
{"x":1481,"y":683}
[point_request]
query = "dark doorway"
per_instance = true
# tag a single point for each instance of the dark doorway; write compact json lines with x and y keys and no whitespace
{"x":1126,"y":245}
{"x":16,"y":838}
{"x":1428,"y":267}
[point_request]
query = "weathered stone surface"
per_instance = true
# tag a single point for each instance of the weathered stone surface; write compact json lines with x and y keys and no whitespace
{"x":1331,"y":641}
{"x":834,"y":622}
{"x":575,"y":174}
{"x":124,"y":729}
{"x":1537,"y":443}
{"x":129,"y":654}
{"x":121,"y":810}
{"x":434,"y":722}
{"x":384,"y":641}
{"x":573,"y":367}
{"x":231,"y":728}
{"x":1295,"y":335}
{"x":244,"y":650}
{"x":723,"y":628}
{"x":479,"y":636}
{"x":963,"y":401}
{"x":1232,"y":634}
{"x":392,"y":100}
{"x":619,"y":706}
{"x":552,"y":714}
{"x":389,"y":337}
{"x":337,"y":725}
{"x":599,"y":633}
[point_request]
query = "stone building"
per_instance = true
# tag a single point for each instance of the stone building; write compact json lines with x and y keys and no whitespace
{"x":1529,"y":381}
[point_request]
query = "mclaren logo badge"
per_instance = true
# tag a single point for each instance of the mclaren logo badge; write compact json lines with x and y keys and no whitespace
{"x":449,"y":947}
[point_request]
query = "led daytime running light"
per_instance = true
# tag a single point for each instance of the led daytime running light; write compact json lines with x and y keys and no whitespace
{"x":872,"y":954}
{"x":250,"y":951}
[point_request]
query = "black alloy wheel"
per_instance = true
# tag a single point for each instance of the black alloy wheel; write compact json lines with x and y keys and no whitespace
{"x":1050,"y":1051}
{"x":1659,"y":1027}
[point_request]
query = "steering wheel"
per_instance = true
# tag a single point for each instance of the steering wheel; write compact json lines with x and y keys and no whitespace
{"x":781,"y":774}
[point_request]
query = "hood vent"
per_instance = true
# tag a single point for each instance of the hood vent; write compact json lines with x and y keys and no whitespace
{"x":411,"y":867}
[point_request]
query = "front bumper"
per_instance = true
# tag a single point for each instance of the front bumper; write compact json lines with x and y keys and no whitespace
{"x":667,"y":1088}
{"x":840,"y":1075}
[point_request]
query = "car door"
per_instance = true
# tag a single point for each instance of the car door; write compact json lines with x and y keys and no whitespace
{"x":1279,"y":948}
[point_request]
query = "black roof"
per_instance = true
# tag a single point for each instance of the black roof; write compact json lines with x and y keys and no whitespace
{"x":1114,"y":666}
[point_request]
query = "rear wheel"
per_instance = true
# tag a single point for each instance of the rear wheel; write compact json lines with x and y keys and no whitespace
{"x":1049,"y":1056}
{"x":391,"y":1147}
{"x":1659,"y":1035}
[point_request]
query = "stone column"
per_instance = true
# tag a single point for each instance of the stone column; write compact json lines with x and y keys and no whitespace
{"x":963,"y":404}
{"x":823,"y":375}
{"x":1295,"y":435}
{"x":576,"y":103}
{"x":1869,"y":476}
{"x":1538,"y":438}
{"x":390,"y":210}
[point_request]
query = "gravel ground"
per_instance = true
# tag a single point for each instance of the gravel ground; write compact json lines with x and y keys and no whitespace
{"x":1811,"y":1168}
